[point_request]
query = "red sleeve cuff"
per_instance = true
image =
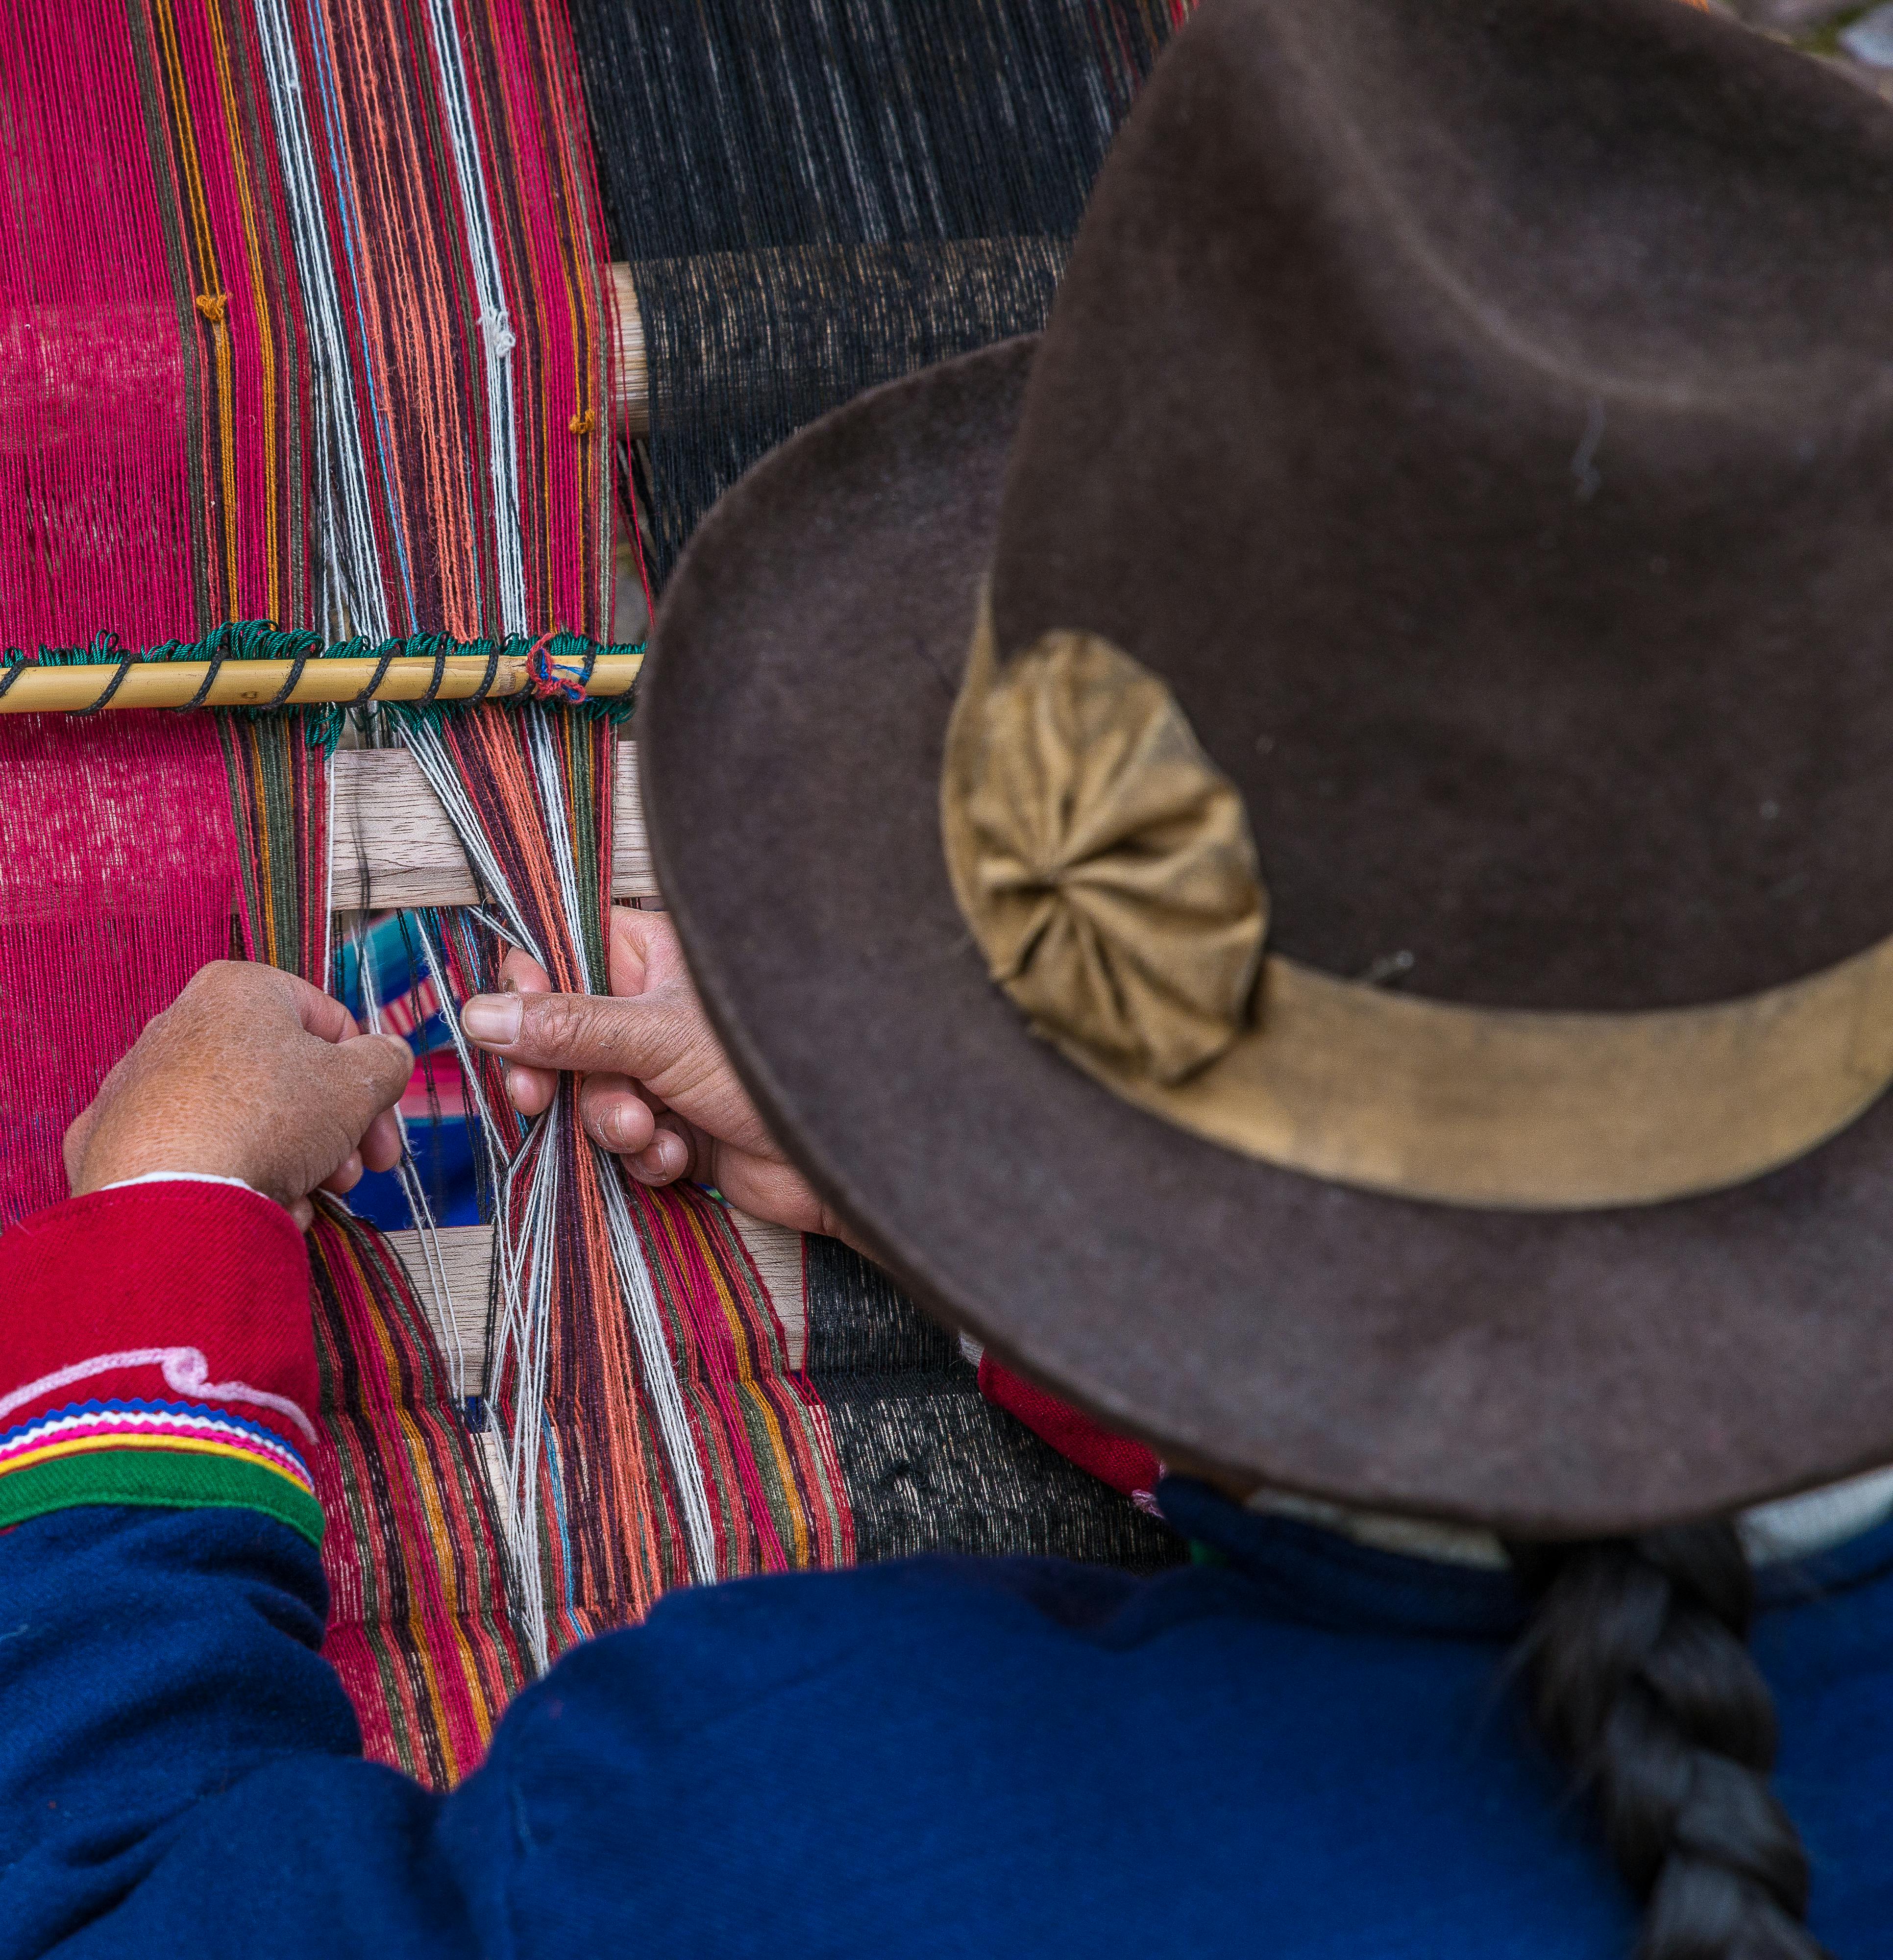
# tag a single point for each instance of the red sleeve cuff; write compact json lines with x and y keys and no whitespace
{"x":156,"y":1348}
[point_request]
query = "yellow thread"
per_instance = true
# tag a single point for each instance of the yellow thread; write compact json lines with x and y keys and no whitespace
{"x":122,"y":1439}
{"x":212,"y":304}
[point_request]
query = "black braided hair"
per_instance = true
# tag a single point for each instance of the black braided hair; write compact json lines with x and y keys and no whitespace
{"x":1640,"y":1676}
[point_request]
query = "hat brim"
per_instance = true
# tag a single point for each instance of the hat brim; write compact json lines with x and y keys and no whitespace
{"x":1543,"y":1374}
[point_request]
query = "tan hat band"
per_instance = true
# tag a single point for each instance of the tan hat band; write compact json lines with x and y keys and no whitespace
{"x":1105,"y":868}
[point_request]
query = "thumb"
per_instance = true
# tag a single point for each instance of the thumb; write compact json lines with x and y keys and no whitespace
{"x":366,"y":1075}
{"x":589,"y":1034}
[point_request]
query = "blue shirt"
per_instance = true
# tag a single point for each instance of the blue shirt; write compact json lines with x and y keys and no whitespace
{"x":1309,"y":1751}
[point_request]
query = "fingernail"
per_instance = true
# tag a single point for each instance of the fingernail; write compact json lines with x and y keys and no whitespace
{"x":618,"y":1128}
{"x":492,"y":1019}
{"x":660,"y":1159}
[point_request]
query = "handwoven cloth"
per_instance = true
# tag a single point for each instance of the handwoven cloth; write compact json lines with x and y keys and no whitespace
{"x":816,"y":197}
{"x":137,"y":846}
{"x":118,"y":879}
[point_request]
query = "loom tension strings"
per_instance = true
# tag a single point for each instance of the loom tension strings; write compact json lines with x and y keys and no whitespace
{"x":528,"y":793}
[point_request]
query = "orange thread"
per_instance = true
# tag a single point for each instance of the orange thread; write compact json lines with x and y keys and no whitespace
{"x":211,"y":305}
{"x":581,"y":424}
{"x":270,"y":512}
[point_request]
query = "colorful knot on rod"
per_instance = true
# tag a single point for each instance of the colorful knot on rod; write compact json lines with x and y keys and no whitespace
{"x":552,"y":683}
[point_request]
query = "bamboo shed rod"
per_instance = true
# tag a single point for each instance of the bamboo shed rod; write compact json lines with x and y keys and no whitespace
{"x":252,"y":683}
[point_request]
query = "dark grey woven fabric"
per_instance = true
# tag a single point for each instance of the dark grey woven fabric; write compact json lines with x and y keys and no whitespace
{"x":816,"y":196}
{"x":929,"y":1464}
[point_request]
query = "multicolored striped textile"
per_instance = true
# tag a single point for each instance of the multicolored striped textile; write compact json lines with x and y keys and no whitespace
{"x":420,"y":1628}
{"x":304,"y":317}
{"x":104,"y":1453}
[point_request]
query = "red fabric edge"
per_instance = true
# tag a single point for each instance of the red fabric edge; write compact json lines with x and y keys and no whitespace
{"x":1128,"y":1467}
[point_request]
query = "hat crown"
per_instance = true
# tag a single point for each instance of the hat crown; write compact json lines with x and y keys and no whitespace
{"x":1481,"y":417}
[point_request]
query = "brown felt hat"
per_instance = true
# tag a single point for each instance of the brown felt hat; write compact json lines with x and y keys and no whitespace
{"x":1445,"y":528}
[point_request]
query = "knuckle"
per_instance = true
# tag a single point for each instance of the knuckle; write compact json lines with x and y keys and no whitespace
{"x":564,"y":1031}
{"x":557,"y":1023}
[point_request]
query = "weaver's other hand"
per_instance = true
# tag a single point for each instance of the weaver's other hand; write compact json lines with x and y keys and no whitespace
{"x":251,"y":1074}
{"x":658,"y":1091}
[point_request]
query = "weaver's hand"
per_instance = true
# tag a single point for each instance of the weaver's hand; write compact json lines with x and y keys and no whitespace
{"x":658,"y":1091}
{"x":251,"y":1074}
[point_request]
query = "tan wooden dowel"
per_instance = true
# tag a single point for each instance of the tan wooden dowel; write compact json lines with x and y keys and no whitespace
{"x":387,"y":821}
{"x":250,"y":683}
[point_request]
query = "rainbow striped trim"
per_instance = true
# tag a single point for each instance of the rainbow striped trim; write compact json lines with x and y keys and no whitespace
{"x":179,"y":1455}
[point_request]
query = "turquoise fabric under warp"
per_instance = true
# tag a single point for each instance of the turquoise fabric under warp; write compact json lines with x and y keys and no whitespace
{"x":1306,"y":1752}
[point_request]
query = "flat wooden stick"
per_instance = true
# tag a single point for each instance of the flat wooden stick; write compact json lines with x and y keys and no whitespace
{"x":466,"y":1253}
{"x":633,"y":401}
{"x":389,"y":828}
{"x":250,"y":683}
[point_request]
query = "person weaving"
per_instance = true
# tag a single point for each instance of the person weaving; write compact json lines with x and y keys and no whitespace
{"x":1439,"y":537}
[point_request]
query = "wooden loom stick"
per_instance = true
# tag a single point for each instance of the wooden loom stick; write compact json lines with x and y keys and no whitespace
{"x":466,"y":1256}
{"x":633,"y":396}
{"x":251,"y":683}
{"x":386,"y":819}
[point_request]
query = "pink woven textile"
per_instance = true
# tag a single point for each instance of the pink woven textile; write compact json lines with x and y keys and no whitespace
{"x":118,"y":880}
{"x":96,"y":479}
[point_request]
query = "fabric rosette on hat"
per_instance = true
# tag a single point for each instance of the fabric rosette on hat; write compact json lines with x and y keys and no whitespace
{"x":1439,"y":542}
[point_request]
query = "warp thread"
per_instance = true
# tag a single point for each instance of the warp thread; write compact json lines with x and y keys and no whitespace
{"x":278,"y":335}
{"x":651,"y":1430}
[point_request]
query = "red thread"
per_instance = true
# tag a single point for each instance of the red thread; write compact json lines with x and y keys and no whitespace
{"x":549,"y":682}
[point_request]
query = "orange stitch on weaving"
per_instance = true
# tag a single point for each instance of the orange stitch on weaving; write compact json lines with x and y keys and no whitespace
{"x":581,"y":424}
